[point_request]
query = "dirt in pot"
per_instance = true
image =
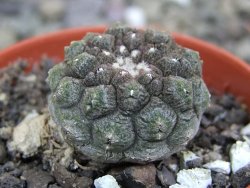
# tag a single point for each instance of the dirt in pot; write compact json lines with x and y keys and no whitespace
{"x":33,"y":153}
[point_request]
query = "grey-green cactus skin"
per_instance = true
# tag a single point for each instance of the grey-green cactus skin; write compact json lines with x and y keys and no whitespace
{"x":128,"y":95}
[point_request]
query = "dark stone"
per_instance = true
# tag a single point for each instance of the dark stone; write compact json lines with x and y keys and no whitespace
{"x":213,"y":110}
{"x":203,"y":140}
{"x":7,"y":181}
{"x":224,"y":141}
{"x":187,"y":163}
{"x":165,"y":176}
{"x":237,"y":116}
{"x":193,"y":163}
{"x":171,"y":163}
{"x":219,"y":179}
{"x":139,"y":176}
{"x":16,"y":172}
{"x":68,"y":179}
{"x":205,"y":122}
{"x":3,"y":152}
{"x":242,"y":177}
{"x":37,"y":178}
{"x":228,"y":101}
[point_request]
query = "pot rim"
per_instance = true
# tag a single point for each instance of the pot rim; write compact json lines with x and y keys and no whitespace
{"x":189,"y":42}
{"x":223,"y":73}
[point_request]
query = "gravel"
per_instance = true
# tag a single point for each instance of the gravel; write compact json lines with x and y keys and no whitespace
{"x":58,"y":166}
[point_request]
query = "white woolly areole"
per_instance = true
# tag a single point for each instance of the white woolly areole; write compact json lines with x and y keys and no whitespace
{"x":122,"y":49}
{"x":128,"y":65}
{"x":239,"y":155}
{"x":135,"y":53}
{"x":151,"y":50}
{"x":174,"y":60}
{"x":106,"y":52}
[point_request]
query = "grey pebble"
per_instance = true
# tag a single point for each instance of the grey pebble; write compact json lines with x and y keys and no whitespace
{"x":7,"y":181}
{"x":219,"y":180}
{"x":166,"y":177}
{"x":37,"y":178}
{"x":69,"y":179}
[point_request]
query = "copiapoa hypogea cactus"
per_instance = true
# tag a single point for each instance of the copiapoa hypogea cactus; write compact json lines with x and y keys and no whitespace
{"x":127,"y":95}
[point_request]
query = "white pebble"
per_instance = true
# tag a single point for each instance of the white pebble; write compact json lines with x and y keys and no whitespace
{"x":219,"y":166}
{"x":246,"y":130}
{"x":193,"y":178}
{"x":29,"y":135}
{"x":178,"y":186}
{"x":239,"y":155}
{"x":106,"y":181}
{"x":189,"y":156}
{"x":247,"y":139}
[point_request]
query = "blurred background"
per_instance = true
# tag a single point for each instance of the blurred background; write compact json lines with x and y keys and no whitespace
{"x":223,"y":22}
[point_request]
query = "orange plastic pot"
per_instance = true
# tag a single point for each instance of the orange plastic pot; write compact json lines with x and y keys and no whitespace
{"x":222,"y":72}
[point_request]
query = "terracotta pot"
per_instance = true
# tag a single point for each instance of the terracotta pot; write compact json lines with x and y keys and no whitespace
{"x":222,"y":71}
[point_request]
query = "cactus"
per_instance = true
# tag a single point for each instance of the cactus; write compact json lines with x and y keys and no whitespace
{"x":128,"y":95}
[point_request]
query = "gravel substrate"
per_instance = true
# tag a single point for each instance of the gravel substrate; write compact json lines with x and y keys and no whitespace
{"x":217,"y":157}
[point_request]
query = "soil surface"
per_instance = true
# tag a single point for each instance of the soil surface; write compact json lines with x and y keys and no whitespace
{"x":21,"y":93}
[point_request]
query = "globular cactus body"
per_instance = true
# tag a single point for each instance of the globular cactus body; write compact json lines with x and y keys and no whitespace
{"x":128,"y":95}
